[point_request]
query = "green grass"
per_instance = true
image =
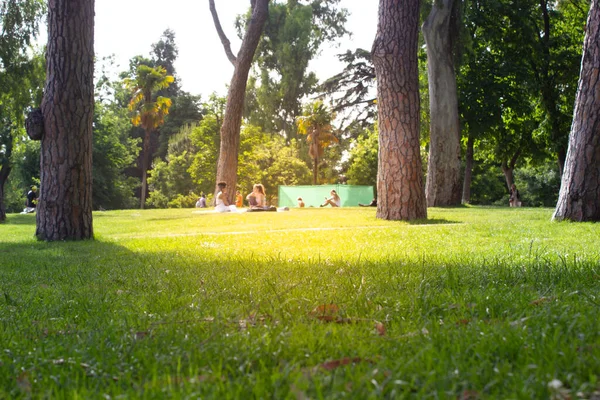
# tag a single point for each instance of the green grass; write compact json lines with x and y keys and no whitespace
{"x":480,"y":302}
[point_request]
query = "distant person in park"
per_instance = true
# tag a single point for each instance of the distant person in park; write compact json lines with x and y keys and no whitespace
{"x":257,"y":200}
{"x":31,"y":200}
{"x":222,"y":205}
{"x":239,"y":200}
{"x":373,"y":203}
{"x":201,"y":203}
{"x":333,"y":201}
{"x":300,"y":202}
{"x":515,"y":198}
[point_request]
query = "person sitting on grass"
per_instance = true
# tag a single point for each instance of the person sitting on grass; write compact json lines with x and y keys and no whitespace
{"x":333,"y":201}
{"x":257,"y":200}
{"x":300,"y":202}
{"x":239,"y":200}
{"x":222,"y":205}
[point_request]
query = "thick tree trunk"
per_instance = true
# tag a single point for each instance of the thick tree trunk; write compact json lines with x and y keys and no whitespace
{"x":400,"y":190}
{"x":232,"y":120}
{"x":443,"y":186}
{"x":579,"y":198}
{"x":64,"y":208}
{"x":466,"y":194}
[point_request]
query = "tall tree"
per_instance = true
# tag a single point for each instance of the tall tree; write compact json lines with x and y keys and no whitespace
{"x":400,"y":191}
{"x":20,"y":76}
{"x":65,"y":204}
{"x":579,"y":198}
{"x":149,"y":110}
{"x":315,"y":123}
{"x":443,"y":187}
{"x":293,"y":35}
{"x":232,"y":120}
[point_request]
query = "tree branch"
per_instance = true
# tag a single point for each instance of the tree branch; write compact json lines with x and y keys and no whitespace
{"x":226,"y":43}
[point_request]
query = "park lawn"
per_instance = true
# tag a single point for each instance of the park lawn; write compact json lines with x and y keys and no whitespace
{"x":311,"y":303}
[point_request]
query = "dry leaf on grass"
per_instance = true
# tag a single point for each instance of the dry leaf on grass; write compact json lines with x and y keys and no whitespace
{"x":333,"y":364}
{"x":380,"y":328}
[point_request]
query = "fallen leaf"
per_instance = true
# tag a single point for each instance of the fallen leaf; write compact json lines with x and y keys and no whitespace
{"x":469,"y":395}
{"x":380,"y":328}
{"x":463,"y":322}
{"x":325,"y":309}
{"x":541,"y":300}
{"x":141,"y":334}
{"x":333,"y":364}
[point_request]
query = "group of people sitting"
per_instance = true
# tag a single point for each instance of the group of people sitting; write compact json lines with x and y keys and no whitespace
{"x":257,"y":199}
{"x":334,"y":200}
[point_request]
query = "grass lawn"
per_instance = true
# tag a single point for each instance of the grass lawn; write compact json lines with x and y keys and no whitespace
{"x":313,"y":303}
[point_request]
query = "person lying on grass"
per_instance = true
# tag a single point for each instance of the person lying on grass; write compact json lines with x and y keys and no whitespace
{"x":222,"y":205}
{"x":333,"y":201}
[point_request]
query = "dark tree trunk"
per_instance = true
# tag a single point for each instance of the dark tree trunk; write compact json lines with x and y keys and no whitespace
{"x":466,"y":194}
{"x":400,"y":190}
{"x":232,"y":120}
{"x":4,"y":172}
{"x":579,"y":198}
{"x":443,"y":187}
{"x":64,"y":208}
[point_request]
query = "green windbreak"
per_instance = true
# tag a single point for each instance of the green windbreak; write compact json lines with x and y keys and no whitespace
{"x":350,"y":195}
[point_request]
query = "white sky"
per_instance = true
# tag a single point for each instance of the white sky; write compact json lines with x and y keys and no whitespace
{"x":127,"y":28}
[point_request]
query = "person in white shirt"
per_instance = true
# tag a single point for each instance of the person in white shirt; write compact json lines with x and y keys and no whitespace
{"x":333,"y":201}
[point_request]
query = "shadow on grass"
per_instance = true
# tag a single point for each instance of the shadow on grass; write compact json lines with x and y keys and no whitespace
{"x":19,"y":219}
{"x":433,"y":221}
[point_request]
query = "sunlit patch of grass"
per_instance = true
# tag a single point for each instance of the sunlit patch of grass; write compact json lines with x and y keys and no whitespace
{"x":488,"y":302}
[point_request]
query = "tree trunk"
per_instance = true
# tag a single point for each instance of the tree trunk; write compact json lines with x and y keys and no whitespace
{"x":579,"y":197}
{"x":443,"y":186}
{"x":4,"y":172}
{"x":508,"y":174}
{"x":232,"y":120}
{"x":315,"y":170}
{"x":64,"y":208}
{"x":466,"y":194}
{"x":400,"y":190}
{"x":145,"y":166}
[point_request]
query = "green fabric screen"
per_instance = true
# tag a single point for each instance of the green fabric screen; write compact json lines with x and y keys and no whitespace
{"x":314,"y":196}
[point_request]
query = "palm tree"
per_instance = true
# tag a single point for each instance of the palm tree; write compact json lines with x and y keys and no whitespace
{"x":315,"y":123}
{"x":147,"y":111}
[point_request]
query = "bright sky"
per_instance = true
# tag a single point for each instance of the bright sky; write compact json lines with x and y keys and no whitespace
{"x":127,"y":28}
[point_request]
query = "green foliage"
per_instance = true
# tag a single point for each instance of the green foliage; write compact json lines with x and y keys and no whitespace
{"x":169,"y":180}
{"x":362,"y":163}
{"x":311,"y":303}
{"x":113,"y":152}
{"x":268,"y":160}
{"x":293,"y":36}
{"x":538,"y":185}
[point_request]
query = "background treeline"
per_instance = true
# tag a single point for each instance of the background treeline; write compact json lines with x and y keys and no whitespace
{"x":517,"y":65}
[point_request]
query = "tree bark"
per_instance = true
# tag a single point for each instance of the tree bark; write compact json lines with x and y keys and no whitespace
{"x":443,"y":187}
{"x":466,"y":194}
{"x":64,"y":208}
{"x":236,"y":95}
{"x":4,"y":172}
{"x":579,"y":197}
{"x":400,"y":190}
